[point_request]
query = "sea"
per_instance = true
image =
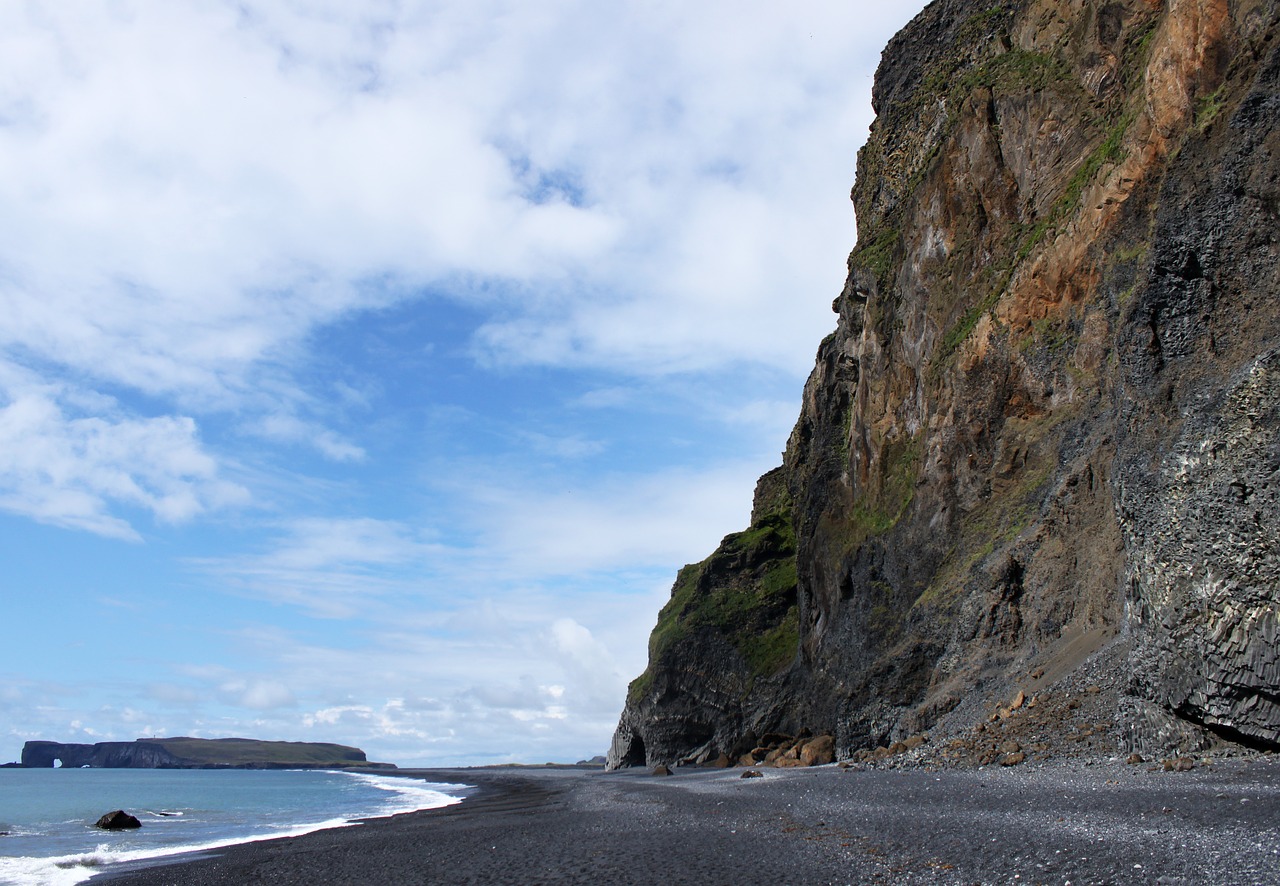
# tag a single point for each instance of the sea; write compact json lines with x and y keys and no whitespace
{"x":47,"y":816}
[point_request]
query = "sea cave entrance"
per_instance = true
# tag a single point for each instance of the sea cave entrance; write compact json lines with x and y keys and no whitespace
{"x":635,"y":755}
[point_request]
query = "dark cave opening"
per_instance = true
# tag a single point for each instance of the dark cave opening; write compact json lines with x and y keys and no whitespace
{"x":635,"y":755}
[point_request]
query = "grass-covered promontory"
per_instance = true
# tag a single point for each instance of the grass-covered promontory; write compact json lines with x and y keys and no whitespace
{"x":252,"y":752}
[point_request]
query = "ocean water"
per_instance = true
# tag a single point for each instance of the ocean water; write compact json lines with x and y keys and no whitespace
{"x":47,"y":815}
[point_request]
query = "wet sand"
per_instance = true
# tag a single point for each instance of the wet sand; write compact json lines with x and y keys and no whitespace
{"x":1057,"y":823}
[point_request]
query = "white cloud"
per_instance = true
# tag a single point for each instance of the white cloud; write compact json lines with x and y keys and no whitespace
{"x":257,"y":694}
{"x":228,"y":176}
{"x":589,"y":665}
{"x":204,"y":184}
{"x":74,"y":470}
{"x":666,"y":517}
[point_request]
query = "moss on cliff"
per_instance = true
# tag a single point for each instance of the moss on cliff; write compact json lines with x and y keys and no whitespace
{"x":886,"y":500}
{"x":745,"y":591}
{"x":880,"y":252}
{"x":747,"y":585}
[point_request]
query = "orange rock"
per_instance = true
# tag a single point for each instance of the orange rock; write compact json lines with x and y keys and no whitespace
{"x":819,"y":751}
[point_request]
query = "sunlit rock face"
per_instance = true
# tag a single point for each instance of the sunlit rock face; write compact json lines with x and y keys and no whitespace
{"x":1044,"y":432}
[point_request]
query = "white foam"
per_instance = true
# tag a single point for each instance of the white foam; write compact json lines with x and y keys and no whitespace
{"x":67,"y":870}
{"x":412,"y":795}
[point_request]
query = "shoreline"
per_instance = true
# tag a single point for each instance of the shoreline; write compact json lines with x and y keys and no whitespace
{"x":1080,"y":821}
{"x":496,"y":793}
{"x":39,"y":852}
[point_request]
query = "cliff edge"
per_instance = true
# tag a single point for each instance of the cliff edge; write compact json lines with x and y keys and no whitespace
{"x":1039,"y":458}
{"x":196,"y":753}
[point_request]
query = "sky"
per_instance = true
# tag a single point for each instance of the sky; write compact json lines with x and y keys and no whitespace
{"x":368,"y":370}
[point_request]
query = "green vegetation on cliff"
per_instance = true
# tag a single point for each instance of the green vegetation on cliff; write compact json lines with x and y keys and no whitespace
{"x":247,"y":751}
{"x":745,"y":591}
{"x":748,"y":580}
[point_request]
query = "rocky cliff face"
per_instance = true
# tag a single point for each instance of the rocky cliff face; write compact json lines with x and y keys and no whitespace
{"x":1045,"y":430}
{"x":103,"y":755}
{"x":195,"y":753}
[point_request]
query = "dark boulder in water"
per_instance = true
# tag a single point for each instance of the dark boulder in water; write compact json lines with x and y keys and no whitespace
{"x":118,"y":821}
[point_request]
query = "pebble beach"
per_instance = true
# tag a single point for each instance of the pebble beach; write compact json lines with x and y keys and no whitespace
{"x":1070,"y":822}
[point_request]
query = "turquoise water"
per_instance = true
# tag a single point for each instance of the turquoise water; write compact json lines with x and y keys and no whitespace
{"x":48,"y":814}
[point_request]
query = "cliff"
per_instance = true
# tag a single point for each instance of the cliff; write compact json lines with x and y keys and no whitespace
{"x":1041,"y":448}
{"x":196,"y":753}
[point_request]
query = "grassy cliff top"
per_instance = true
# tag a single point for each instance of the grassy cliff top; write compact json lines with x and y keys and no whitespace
{"x":244,"y":751}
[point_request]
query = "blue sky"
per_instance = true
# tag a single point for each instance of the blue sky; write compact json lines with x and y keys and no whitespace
{"x":368,"y":370}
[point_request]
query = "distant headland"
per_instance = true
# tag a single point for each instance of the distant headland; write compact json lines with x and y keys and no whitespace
{"x":196,"y":753}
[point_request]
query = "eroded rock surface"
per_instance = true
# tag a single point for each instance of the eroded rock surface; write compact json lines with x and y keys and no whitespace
{"x":1044,"y":432}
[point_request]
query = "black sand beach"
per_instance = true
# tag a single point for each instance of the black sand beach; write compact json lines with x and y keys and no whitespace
{"x":1057,"y":823}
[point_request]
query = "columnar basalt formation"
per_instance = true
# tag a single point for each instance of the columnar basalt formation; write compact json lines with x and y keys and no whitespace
{"x":1047,"y":422}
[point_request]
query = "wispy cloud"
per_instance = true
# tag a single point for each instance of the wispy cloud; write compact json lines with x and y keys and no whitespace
{"x":329,"y":567}
{"x":290,"y":429}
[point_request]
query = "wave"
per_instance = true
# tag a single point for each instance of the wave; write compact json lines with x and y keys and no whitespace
{"x":413,"y":795}
{"x":68,"y":870}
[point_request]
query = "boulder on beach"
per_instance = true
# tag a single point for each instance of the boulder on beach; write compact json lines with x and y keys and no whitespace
{"x":118,"y":820}
{"x":818,"y":751}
